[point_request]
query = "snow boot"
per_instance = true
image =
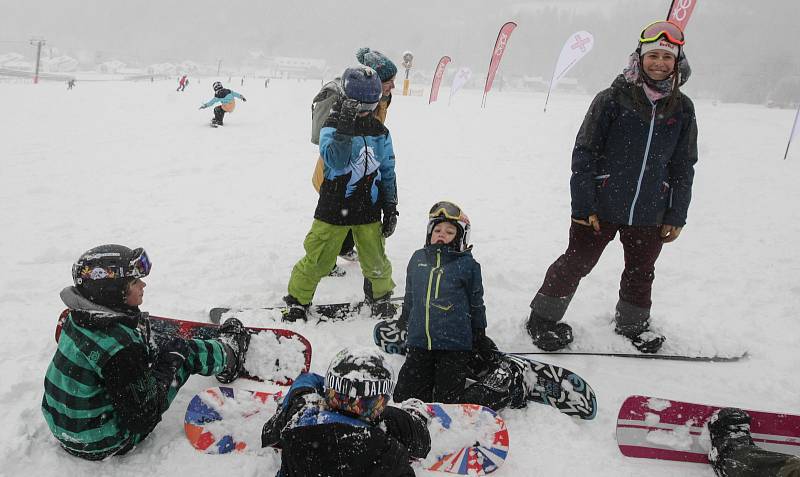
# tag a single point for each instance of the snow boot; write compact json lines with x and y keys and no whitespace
{"x":729,"y":429}
{"x":633,"y":322}
{"x":548,"y":335}
{"x":235,"y":339}
{"x":509,"y":378}
{"x":294,"y":310}
{"x":382,"y":307}
{"x":350,"y":256}
{"x":337,"y":271}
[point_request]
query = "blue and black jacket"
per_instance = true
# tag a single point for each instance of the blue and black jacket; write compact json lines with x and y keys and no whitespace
{"x":444,"y":299}
{"x":633,"y":161}
{"x":359,"y":178}
{"x":223,"y":96}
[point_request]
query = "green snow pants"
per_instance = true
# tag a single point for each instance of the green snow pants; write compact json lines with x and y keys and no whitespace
{"x":323,"y":243}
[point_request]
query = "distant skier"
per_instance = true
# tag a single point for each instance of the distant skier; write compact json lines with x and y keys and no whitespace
{"x":227,"y":101}
{"x":107,"y":385}
{"x":182,"y":83}
{"x":445,"y":317}
{"x":342,"y":425}
{"x":632,"y":173}
{"x":734,"y":454}
{"x":266,"y":83}
{"x":71,"y":83}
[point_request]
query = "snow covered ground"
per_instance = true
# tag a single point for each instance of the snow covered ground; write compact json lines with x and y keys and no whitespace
{"x":223,"y":214}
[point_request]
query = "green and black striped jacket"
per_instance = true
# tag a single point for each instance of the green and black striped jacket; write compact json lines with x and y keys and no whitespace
{"x":76,"y":405}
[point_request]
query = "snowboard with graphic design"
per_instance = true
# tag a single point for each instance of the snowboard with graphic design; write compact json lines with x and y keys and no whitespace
{"x":466,"y":439}
{"x":554,"y":386}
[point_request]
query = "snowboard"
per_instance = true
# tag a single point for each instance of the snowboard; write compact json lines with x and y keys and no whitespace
{"x":466,"y":439}
{"x":322,"y":312}
{"x":392,"y":340}
{"x":653,"y":428}
{"x":275,"y":355}
{"x":555,"y":386}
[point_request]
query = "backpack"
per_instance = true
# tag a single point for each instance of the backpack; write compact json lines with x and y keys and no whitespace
{"x":321,"y":106}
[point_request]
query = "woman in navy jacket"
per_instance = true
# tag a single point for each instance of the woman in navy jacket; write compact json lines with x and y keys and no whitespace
{"x":632,"y":173}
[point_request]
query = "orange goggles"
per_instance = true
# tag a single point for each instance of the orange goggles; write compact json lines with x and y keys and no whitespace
{"x":656,"y":30}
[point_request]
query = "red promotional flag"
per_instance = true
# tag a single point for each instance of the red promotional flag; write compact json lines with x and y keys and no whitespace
{"x":437,"y":78}
{"x":497,"y":55}
{"x":680,"y":11}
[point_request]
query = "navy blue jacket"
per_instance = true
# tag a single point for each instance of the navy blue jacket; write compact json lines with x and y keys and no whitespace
{"x":633,"y":161}
{"x":444,"y":299}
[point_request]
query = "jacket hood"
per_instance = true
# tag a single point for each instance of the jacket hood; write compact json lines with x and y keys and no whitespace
{"x":91,"y":315}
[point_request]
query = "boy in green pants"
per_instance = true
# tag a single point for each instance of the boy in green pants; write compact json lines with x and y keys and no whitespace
{"x":359,"y":184}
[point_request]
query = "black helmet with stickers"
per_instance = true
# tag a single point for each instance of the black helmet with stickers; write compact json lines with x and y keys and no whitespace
{"x":359,"y":383}
{"x":102,"y":274}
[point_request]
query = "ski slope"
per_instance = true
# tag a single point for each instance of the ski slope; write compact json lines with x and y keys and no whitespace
{"x":223,"y":213}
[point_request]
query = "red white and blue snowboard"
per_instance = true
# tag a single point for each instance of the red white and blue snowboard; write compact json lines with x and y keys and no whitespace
{"x":466,"y":439}
{"x":654,"y":428}
{"x":275,"y":355}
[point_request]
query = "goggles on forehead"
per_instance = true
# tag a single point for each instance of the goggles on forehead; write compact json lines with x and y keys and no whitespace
{"x":656,"y":30}
{"x":447,"y":209}
{"x":140,"y":264}
{"x":364,"y":107}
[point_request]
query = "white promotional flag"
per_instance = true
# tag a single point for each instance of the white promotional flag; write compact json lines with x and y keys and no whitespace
{"x":462,"y":76}
{"x":795,"y":130}
{"x":577,"y":46}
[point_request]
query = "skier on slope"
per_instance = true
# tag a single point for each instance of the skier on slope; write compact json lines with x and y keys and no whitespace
{"x":359,"y":184}
{"x":734,"y":454}
{"x":227,"y":100}
{"x":320,"y":108}
{"x":342,"y":425}
{"x":632,"y":172}
{"x":107,"y":387}
{"x":445,"y":318}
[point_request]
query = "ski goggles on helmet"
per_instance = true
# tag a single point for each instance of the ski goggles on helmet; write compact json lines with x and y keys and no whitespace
{"x":140,"y":265}
{"x":369,"y":408}
{"x":447,"y":210}
{"x":656,"y":30}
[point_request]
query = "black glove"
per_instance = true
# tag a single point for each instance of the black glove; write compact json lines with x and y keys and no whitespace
{"x":410,"y":428}
{"x":485,"y":354}
{"x":271,"y":432}
{"x":389,"y":220}
{"x":243,"y":99}
{"x":170,"y":357}
{"x":348,"y":111}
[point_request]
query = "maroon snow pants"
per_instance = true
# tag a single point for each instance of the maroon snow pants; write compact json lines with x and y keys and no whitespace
{"x":641,"y":244}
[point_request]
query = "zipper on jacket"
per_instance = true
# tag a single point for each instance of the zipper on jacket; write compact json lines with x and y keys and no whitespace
{"x":428,"y":298}
{"x":644,"y":162}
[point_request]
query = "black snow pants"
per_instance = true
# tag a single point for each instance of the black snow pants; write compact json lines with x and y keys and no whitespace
{"x":219,"y":113}
{"x":441,"y":376}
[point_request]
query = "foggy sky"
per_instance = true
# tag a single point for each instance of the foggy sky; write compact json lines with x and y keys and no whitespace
{"x":727,"y":40}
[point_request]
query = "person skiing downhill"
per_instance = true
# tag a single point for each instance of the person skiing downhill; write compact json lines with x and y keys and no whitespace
{"x":107,"y":386}
{"x":359,"y":184}
{"x":227,"y":100}
{"x":445,"y":319}
{"x":341,"y":425}
{"x":632,"y":173}
{"x":387,"y":71}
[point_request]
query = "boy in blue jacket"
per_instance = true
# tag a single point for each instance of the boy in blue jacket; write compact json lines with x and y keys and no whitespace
{"x":445,"y":318}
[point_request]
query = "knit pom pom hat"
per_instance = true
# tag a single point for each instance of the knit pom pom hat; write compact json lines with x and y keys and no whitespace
{"x":378,"y":62}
